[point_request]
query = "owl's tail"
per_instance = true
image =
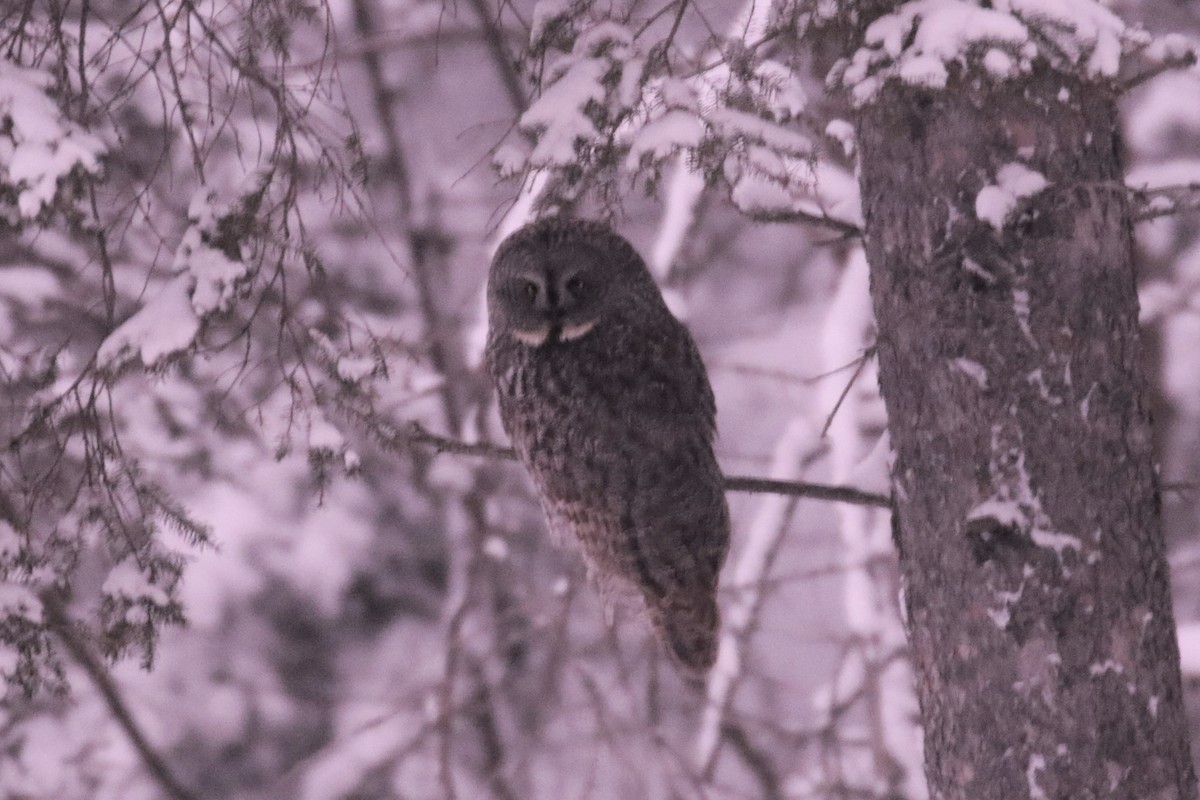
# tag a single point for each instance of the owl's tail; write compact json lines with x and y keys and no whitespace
{"x":688,"y":623}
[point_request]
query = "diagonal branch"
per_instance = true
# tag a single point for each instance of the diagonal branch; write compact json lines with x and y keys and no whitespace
{"x":82,"y":654}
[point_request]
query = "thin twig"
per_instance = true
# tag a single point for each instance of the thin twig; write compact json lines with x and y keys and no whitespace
{"x":848,"y":230}
{"x":862,"y":362}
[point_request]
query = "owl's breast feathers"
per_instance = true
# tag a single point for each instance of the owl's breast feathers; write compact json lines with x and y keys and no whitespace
{"x":619,"y":422}
{"x":616,"y":428}
{"x":620,"y":376}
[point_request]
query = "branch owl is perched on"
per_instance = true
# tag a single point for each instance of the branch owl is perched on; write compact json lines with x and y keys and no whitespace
{"x":607,"y":402}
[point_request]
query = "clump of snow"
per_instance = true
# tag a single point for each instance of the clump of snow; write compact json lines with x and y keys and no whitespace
{"x":1014,"y":182}
{"x":39,"y":148}
{"x":1037,"y":763}
{"x":10,"y":541}
{"x":214,"y":274}
{"x":323,"y":435}
{"x":206,"y":282}
{"x":786,"y":93}
{"x":1105,"y":667}
{"x":1172,"y":48}
{"x":495,"y":548}
{"x":127,"y":580}
{"x":676,"y":129}
{"x":351,"y":367}
{"x":843,"y":133}
{"x":1013,"y":503}
{"x":1058,"y":542}
{"x":578,"y":88}
{"x":162,"y":327}
{"x":921,"y":40}
{"x":734,"y":124}
{"x":972,"y":369}
{"x":1000,"y":64}
{"x":19,"y":601}
{"x":510,"y":159}
{"x":1007,"y":513}
{"x":9,"y":659}
{"x":560,"y":116}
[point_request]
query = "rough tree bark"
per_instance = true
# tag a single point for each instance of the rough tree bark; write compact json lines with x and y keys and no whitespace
{"x":1027,"y":504}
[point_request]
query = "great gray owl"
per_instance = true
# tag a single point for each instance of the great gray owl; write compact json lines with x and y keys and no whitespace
{"x":607,"y":402}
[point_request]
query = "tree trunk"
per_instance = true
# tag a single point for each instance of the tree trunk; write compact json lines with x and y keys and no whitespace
{"x":1027,"y":504}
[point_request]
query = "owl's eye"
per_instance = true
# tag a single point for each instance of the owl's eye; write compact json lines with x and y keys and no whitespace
{"x":530,"y":289}
{"x":575,"y":284}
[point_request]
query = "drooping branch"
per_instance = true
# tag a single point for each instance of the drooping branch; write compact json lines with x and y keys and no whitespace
{"x":81,"y":653}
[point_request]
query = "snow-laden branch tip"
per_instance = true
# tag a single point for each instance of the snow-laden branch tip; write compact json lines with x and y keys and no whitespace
{"x":610,"y":103}
{"x":923,"y":41}
{"x":1170,"y":52}
{"x":40,"y":150}
{"x":209,"y":272}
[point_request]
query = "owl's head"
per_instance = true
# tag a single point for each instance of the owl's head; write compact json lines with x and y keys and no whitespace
{"x":557,"y":279}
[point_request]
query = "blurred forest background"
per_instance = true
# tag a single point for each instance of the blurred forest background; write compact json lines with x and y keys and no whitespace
{"x":244,"y":248}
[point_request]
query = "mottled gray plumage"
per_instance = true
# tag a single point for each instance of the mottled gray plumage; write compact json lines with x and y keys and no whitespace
{"x":607,"y":402}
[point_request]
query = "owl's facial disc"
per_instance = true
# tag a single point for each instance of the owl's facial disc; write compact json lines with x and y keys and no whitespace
{"x":551,"y":300}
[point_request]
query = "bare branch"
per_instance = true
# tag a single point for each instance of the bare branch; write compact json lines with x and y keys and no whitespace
{"x":1180,"y":61}
{"x":415,"y":434}
{"x":1165,"y":201}
{"x":862,"y":362}
{"x":848,"y":230}
{"x":758,"y":762}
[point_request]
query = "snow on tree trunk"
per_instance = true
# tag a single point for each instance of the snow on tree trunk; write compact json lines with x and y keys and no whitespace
{"x":1027,"y":502}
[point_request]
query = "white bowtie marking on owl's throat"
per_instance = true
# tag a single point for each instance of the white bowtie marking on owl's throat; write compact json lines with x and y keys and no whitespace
{"x":533,"y":338}
{"x":570,"y":333}
{"x":554,"y":332}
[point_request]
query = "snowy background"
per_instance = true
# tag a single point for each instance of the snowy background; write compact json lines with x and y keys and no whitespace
{"x":224,"y":306}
